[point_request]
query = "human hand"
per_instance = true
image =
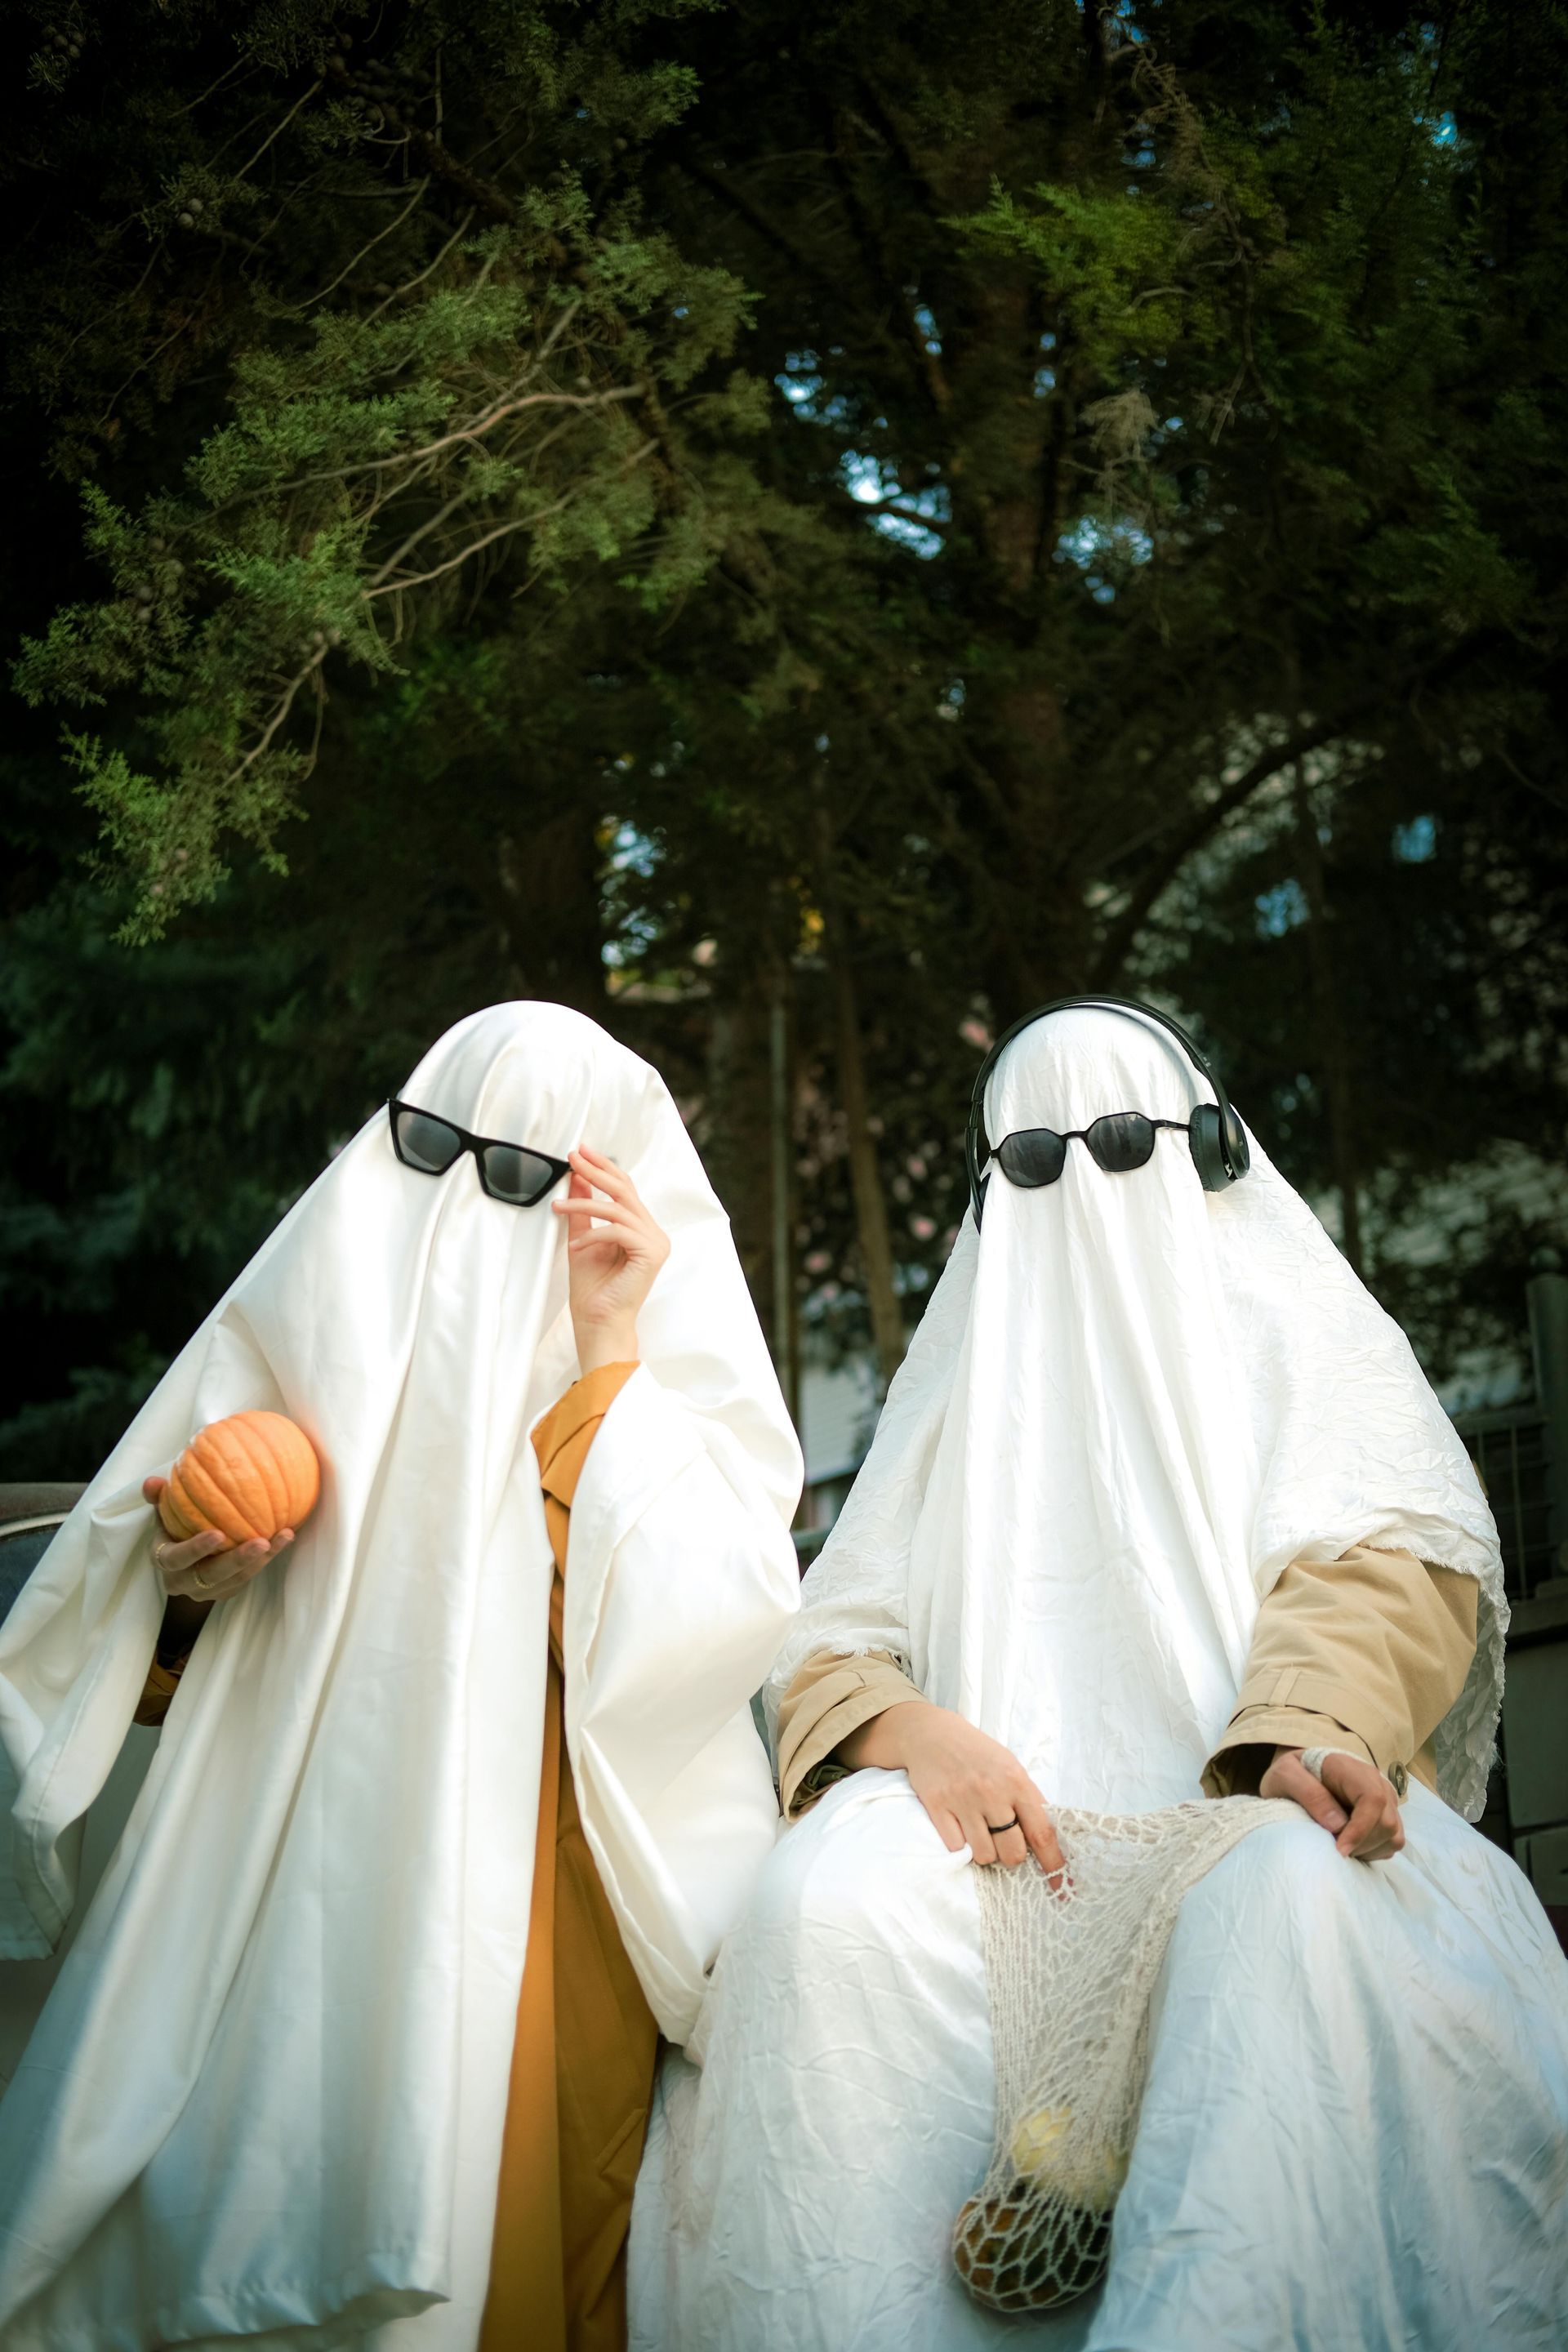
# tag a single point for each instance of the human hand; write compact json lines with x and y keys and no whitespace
{"x":190,"y":1586}
{"x":967,"y":1783}
{"x":1353,"y":1802}
{"x":615,"y":1252}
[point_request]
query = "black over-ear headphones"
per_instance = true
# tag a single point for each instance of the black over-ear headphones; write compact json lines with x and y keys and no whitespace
{"x":1221,"y":1153}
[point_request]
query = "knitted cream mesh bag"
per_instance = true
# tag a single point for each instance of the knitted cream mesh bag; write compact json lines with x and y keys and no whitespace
{"x":1071,"y":1968}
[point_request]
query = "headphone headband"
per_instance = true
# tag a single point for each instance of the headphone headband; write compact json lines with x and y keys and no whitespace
{"x":1225,"y":1164}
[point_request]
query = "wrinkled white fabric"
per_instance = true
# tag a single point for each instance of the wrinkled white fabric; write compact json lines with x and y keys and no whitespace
{"x":26,"y":1985}
{"x":1129,"y":1406}
{"x":266,"y":2095}
{"x":1071,"y":1960}
{"x":1354,"y":2136}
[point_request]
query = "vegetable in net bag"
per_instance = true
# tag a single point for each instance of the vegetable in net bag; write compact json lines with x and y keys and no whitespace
{"x":1071,"y":1959}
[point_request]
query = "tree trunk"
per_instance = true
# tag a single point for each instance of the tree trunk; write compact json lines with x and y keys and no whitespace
{"x":870,"y":1207}
{"x":738,"y":1145}
{"x":864,"y":1178}
{"x":1333,"y":1048}
{"x":866,"y":1182}
{"x":555,"y":930}
{"x":781,"y":1121}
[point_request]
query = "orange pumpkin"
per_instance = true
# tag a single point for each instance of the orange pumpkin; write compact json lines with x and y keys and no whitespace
{"x":245,"y":1476}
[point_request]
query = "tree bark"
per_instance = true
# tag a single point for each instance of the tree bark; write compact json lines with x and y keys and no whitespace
{"x":554,"y":925}
{"x":737,"y":1145}
{"x":1334,"y":1045}
{"x":785,"y":1305}
{"x":871,"y":1203}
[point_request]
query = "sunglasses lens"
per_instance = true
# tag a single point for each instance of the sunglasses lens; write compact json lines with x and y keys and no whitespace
{"x":515,"y":1175}
{"x":1033,"y":1157}
{"x":1123,"y":1140}
{"x":426,"y":1143}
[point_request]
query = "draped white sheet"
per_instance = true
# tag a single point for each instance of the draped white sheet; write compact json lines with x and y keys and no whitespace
{"x":1353,"y":2138}
{"x":265,"y":2097}
{"x":1129,"y":1406}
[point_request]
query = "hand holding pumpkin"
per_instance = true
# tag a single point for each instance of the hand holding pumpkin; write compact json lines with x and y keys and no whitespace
{"x":182,"y":1565}
{"x":239,"y":1489}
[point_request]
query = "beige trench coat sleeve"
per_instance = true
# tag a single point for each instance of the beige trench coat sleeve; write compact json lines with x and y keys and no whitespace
{"x":829,"y":1698}
{"x":1367,"y":1652}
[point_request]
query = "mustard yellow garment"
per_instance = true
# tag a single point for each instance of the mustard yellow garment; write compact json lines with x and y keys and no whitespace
{"x":1367,"y":1652}
{"x":163,"y":1682}
{"x":583,"y":2062}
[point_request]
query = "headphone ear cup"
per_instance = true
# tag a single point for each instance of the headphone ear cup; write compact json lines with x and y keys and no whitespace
{"x":1237,"y":1148}
{"x":1208,"y":1138}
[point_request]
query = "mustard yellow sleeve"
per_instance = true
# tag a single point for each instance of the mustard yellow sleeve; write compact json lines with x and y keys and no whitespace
{"x":829,"y":1698}
{"x":1367,"y":1652}
{"x":561,"y":1439}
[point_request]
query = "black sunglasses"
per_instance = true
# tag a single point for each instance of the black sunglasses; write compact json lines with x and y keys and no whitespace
{"x":1121,"y":1141}
{"x":507,"y":1172}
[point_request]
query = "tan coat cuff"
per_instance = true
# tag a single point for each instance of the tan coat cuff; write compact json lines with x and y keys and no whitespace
{"x":829,"y":1698}
{"x":1370,"y":1650}
{"x":1314,"y":1696}
{"x":1245,"y":1752}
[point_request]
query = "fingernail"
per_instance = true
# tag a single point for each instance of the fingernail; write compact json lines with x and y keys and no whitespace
{"x":1336,"y":1822}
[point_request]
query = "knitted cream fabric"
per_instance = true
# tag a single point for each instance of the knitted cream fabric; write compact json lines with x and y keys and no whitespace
{"x":1071,"y":1966}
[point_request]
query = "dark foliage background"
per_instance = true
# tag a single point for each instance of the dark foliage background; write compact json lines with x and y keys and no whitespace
{"x":819,"y":524}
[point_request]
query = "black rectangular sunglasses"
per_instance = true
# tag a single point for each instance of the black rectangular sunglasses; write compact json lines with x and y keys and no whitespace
{"x":507,"y":1172}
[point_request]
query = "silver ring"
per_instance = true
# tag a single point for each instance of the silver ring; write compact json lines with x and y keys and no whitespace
{"x":199,"y":1581}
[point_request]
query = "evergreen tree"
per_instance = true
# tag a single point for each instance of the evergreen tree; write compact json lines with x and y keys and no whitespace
{"x":812,"y":524}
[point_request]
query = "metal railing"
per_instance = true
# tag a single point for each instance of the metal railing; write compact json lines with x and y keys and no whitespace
{"x":1521,"y":1450}
{"x":1511,"y":1447}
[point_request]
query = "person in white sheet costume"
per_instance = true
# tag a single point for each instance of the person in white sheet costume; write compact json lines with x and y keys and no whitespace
{"x":1135,"y":1415}
{"x":266,"y":2097}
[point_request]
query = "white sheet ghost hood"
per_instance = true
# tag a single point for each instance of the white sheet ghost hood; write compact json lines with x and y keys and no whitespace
{"x":1130,"y":1405}
{"x":266,"y":2095}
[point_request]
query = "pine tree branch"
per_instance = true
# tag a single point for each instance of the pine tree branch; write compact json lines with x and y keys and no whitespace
{"x":1163,"y":870}
{"x":724,"y":187}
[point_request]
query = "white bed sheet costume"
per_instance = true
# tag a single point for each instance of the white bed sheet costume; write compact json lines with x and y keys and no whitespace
{"x":265,"y":2098}
{"x":1130,"y":1405}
